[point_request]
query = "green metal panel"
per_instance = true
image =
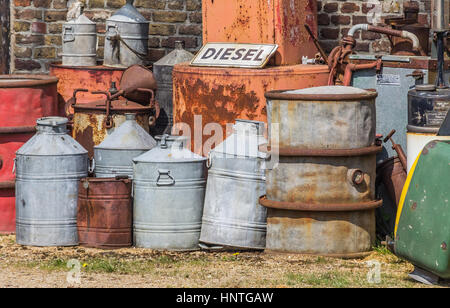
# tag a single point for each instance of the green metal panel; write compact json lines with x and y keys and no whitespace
{"x":423,"y":231}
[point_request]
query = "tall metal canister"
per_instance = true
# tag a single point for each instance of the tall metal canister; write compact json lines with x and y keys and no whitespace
{"x":163,"y":73}
{"x":169,"y":191}
{"x":232,"y":216}
{"x":126,"y":40}
{"x":79,"y":39}
{"x":320,"y":196}
{"x":104,"y":216}
{"x":114,"y":156}
{"x":48,"y":169}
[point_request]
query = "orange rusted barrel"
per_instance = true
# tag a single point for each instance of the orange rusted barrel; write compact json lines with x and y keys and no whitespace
{"x":260,"y":21}
{"x":104,"y":216}
{"x":92,"y":78}
{"x":222,"y":95}
{"x":23,"y":99}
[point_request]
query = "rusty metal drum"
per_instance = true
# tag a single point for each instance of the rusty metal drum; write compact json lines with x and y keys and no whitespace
{"x":48,"y":169}
{"x":79,"y":39}
{"x":114,"y":156}
{"x":321,"y":194}
{"x":23,"y":99}
{"x":104,"y":216}
{"x":169,"y":190}
{"x":232,"y":216}
{"x":90,"y":121}
{"x":204,"y":95}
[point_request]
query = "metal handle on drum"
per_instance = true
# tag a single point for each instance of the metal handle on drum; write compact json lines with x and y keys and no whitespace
{"x":209,"y":161}
{"x":91,"y":165}
{"x":167,"y":173}
{"x":14,"y":166}
{"x":68,"y":34}
{"x":108,"y":36}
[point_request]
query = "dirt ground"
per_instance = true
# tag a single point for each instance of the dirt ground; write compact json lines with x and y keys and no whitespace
{"x":48,"y":267}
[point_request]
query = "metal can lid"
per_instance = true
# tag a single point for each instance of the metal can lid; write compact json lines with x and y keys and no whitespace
{"x":52,"y":121}
{"x":324,"y":93}
{"x":425,"y":87}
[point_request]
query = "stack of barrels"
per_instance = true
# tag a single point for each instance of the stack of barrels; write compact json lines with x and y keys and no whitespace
{"x":320,"y":194}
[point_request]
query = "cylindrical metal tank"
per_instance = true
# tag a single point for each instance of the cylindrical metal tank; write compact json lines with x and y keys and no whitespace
{"x":232,"y":216}
{"x":90,"y":121}
{"x":48,"y":169}
{"x":79,"y":39}
{"x":320,"y":195}
{"x":104,"y":216}
{"x":204,"y":95}
{"x":163,"y":73}
{"x":95,"y":78}
{"x":23,"y":99}
{"x":169,"y":190}
{"x":440,"y":16}
{"x":416,"y":142}
{"x":114,"y":156}
{"x":126,"y":41}
{"x":278,"y":22}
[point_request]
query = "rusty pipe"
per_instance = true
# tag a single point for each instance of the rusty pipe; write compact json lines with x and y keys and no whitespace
{"x":351,"y":67}
{"x":397,"y":148}
{"x":387,"y":31}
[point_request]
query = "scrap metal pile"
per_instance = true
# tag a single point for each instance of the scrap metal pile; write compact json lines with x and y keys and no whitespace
{"x":302,"y":167}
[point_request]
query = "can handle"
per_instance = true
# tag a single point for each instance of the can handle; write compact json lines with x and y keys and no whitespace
{"x":111,"y":36}
{"x":164,"y":183}
{"x":68,"y":34}
{"x":91,"y":165}
{"x":209,"y":161}
{"x":14,"y":166}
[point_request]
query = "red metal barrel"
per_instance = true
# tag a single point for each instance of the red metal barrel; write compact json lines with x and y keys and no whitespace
{"x":105,"y":212}
{"x":23,"y":99}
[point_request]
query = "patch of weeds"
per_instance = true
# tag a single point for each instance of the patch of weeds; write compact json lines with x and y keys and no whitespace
{"x":328,"y":279}
{"x":164,"y":259}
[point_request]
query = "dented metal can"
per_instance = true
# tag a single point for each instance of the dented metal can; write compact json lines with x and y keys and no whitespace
{"x":232,"y":215}
{"x":104,"y":216}
{"x":48,"y":169}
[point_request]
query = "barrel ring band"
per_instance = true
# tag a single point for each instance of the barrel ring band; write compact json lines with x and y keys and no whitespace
{"x":294,"y":151}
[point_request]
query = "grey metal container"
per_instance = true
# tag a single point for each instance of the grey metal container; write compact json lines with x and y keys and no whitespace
{"x":162,"y":70}
{"x":320,"y":195}
{"x":232,"y":216}
{"x":48,"y":169}
{"x":169,"y":191}
{"x":126,"y":40}
{"x":79,"y":42}
{"x":114,"y":156}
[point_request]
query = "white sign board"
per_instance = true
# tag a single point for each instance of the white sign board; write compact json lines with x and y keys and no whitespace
{"x":234,"y":55}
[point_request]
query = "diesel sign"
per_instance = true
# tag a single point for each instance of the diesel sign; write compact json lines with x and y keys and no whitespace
{"x":234,"y":55}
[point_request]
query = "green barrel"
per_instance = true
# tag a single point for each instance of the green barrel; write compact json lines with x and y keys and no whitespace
{"x":423,"y":224}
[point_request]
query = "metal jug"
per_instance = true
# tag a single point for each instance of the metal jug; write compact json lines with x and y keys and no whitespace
{"x":79,"y":42}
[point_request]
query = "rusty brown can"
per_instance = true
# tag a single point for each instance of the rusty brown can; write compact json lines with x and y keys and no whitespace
{"x":105,"y":212}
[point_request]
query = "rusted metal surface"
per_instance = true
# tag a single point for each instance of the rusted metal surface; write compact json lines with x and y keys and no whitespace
{"x":105,"y":212}
{"x":273,"y":22}
{"x":329,"y":207}
{"x":295,"y":151}
{"x":222,"y":95}
{"x":90,"y":120}
{"x":393,"y":175}
{"x":4,"y":36}
{"x":23,"y":99}
{"x":138,"y":77}
{"x":340,"y":234}
{"x":93,"y":78}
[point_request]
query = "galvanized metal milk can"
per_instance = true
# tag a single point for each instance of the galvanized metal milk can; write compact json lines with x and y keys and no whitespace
{"x":126,"y":41}
{"x":321,"y":194}
{"x":232,"y":215}
{"x":48,"y":169}
{"x":163,"y":73}
{"x":114,"y":156}
{"x":169,"y":191}
{"x":79,"y":42}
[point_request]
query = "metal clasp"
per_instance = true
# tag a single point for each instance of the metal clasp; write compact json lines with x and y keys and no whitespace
{"x":69,"y":34}
{"x":169,"y":181}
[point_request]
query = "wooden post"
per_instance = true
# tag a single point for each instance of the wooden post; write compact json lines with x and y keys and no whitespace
{"x":4,"y":36}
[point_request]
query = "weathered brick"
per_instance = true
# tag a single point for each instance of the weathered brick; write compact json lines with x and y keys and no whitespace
{"x":21,"y":26}
{"x":366,"y":35}
{"x":101,"y":40}
{"x":175,"y":5}
{"x":162,"y":29}
{"x":367,"y":7}
{"x":29,"y":39}
{"x":381,"y":46}
{"x":154,"y":42}
{"x":169,"y":16}
{"x":51,"y":16}
{"x":53,"y":40}
{"x":22,"y":52}
{"x":362,"y":46}
{"x":423,"y":19}
{"x":22,"y":2}
{"x":189,"y":42}
{"x":28,"y":14}
{"x":39,"y":27}
{"x":195,"y":17}
{"x":329,"y":33}
{"x":359,"y":20}
{"x":96,"y":4}
{"x":44,"y":53}
{"x":26,"y":65}
{"x":340,"y":20}
{"x":100,"y":52}
{"x":349,"y":7}
{"x":54,"y":28}
{"x":331,"y":7}
{"x":156,"y":54}
{"x":115,"y":3}
{"x":319,"y":6}
{"x":59,"y":4}
{"x":190,"y":29}
{"x":323,"y":19}
{"x":193,"y":5}
{"x":150,"y":4}
{"x":42,"y":3}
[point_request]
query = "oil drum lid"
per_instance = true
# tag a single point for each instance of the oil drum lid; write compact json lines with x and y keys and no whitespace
{"x":425,"y":87}
{"x":117,"y":106}
{"x":128,"y":13}
{"x":52,"y":121}
{"x":324,"y":93}
{"x":170,"y":149}
{"x":25,"y":81}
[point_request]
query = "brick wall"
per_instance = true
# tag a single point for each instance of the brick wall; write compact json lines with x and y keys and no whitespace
{"x":335,"y":18}
{"x":36,"y":27}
